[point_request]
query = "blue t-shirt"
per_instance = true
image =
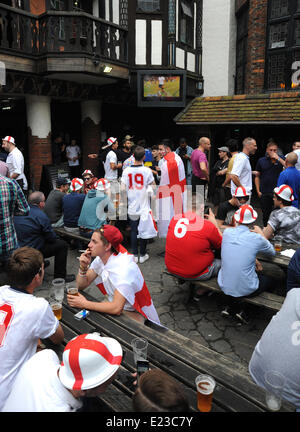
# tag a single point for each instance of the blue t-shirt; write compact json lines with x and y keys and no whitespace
{"x":269,"y":173}
{"x":291,"y":177}
{"x":72,"y":204}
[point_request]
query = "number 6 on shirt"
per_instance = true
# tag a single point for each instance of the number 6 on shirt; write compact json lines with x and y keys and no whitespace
{"x":181,"y":227}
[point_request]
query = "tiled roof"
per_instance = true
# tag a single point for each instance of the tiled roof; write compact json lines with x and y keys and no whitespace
{"x":272,"y":108}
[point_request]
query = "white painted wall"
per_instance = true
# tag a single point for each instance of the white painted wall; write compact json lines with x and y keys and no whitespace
{"x":219,"y":47}
{"x":140,"y":42}
{"x":116,"y":12}
{"x":38,"y":115}
{"x":156,"y":42}
{"x":180,"y":54}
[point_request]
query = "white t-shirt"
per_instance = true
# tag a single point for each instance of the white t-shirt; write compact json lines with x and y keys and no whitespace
{"x":98,"y":267}
{"x":15,"y":163}
{"x":23,"y":320}
{"x":37,"y":387}
{"x":242,"y":169}
{"x":298,"y":163}
{"x":110,"y":174}
{"x":136,"y":179}
{"x":73,"y":151}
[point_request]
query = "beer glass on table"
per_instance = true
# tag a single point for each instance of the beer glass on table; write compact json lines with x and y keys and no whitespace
{"x":58,"y":288}
{"x":72,"y":289}
{"x":56,"y":307}
{"x":277,"y":245}
{"x":139,"y":348}
{"x":205,"y":387}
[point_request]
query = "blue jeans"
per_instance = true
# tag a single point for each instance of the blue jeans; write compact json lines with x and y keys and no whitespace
{"x":134,"y":240}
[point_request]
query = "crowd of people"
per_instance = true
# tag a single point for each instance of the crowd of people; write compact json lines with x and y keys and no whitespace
{"x":201,"y":242}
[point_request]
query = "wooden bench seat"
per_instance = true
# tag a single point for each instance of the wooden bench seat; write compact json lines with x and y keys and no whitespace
{"x":173,"y":353}
{"x":62,"y":232}
{"x":265,"y":299}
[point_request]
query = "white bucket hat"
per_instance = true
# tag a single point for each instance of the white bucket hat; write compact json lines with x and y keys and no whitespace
{"x":76,"y":184}
{"x":89,"y":360}
{"x":245,"y":214}
{"x":240,"y":192}
{"x":285,"y":192}
{"x":102,"y":184}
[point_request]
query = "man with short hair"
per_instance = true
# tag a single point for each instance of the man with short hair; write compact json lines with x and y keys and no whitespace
{"x":171,"y":191}
{"x":185,"y":152}
{"x":26,"y":318}
{"x":268,"y":169}
{"x":13,"y":202}
{"x":111,"y":165}
{"x":237,"y":277}
{"x":284,"y":221}
{"x":89,"y":181}
{"x":219,"y":171}
{"x":35,"y":230}
{"x":291,"y":176}
{"x":241,"y":174}
{"x":15,"y":162}
{"x":199,"y":163}
{"x":117,"y":276}
{"x":135,"y":181}
{"x":44,"y":384}
{"x":233,"y":146}
{"x":72,"y":205}
{"x":53,"y":205}
{"x":73,"y":154}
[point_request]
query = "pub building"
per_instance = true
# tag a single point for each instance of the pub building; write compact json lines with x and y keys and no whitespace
{"x":79,"y":69}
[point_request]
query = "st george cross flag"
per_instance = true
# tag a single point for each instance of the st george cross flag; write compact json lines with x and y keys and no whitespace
{"x":171,"y":197}
{"x":122,"y":273}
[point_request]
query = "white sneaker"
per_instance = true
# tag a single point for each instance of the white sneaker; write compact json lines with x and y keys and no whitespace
{"x":144,"y":258}
{"x":136,"y":258}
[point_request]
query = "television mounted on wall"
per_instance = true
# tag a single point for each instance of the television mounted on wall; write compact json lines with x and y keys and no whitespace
{"x":161,"y":88}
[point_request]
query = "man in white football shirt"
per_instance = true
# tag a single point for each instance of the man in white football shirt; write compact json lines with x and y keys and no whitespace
{"x":15,"y":162}
{"x":111,"y":165}
{"x":24,"y":318}
{"x":241,"y":174}
{"x":136,"y":180}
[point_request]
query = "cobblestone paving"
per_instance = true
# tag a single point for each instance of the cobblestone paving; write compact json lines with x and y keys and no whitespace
{"x":200,"y":321}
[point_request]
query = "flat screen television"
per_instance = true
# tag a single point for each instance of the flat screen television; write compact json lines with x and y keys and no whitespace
{"x":163,"y":88}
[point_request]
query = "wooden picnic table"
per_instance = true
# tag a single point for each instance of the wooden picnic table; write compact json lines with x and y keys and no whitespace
{"x":281,"y":260}
{"x":177,"y":355}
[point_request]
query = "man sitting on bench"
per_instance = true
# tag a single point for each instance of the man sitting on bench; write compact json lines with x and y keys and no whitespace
{"x":227,"y":209}
{"x":116,"y":275}
{"x":237,"y":277}
{"x":190,"y":243}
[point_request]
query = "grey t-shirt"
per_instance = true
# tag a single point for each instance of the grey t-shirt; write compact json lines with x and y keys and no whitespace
{"x":279,"y":348}
{"x":286,"y":224}
{"x":53,"y":206}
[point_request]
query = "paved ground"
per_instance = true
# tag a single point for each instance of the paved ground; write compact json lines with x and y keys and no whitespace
{"x":200,"y":321}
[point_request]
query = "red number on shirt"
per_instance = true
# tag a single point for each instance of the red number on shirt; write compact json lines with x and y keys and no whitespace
{"x":8,"y":312}
{"x":138,"y":181}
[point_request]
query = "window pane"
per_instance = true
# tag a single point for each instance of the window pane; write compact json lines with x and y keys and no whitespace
{"x":278,"y":35}
{"x":276,"y":73}
{"x":148,"y":5}
{"x":186,"y":8}
{"x":279,"y":8}
{"x":297,"y":32}
{"x":298,"y":6}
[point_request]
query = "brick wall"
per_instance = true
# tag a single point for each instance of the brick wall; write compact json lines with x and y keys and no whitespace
{"x":90,"y":140}
{"x":39,"y":154}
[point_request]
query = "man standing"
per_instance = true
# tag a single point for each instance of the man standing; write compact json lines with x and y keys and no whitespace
{"x":233,"y":146}
{"x":284,"y":221}
{"x":185,"y":152}
{"x":25,"y":318}
{"x":35,"y":230}
{"x":13,"y":202}
{"x":268,"y":169}
{"x":171,"y":191}
{"x":116,"y":275}
{"x":15,"y":162}
{"x":53,"y":205}
{"x":73,"y":154}
{"x":241,"y":174}
{"x":111,"y":165}
{"x":237,"y":277}
{"x":219,"y":170}
{"x":200,"y":165}
{"x":136,"y":180}
{"x":291,"y":176}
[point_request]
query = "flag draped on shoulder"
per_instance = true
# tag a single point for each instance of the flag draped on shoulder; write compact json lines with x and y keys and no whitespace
{"x":122,"y":273}
{"x":171,"y":199}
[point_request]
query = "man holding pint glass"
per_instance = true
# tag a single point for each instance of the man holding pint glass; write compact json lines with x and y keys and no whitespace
{"x":26,"y":318}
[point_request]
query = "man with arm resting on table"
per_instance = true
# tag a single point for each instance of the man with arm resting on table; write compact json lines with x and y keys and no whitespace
{"x":116,"y":275}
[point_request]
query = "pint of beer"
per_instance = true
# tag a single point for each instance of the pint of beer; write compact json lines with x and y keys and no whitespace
{"x":57,"y":309}
{"x":205,"y":387}
{"x":72,"y":290}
